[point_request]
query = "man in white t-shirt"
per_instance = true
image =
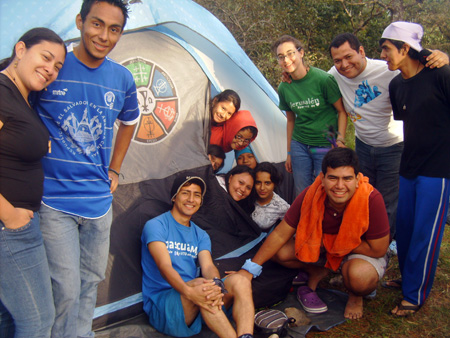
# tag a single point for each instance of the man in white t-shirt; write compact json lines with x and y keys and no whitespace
{"x":364,"y":86}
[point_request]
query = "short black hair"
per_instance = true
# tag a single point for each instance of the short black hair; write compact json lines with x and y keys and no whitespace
{"x":216,"y":150}
{"x":340,"y":157}
{"x":269,"y":168}
{"x":252,"y":129}
{"x":122,"y":4}
{"x":340,"y":39}
{"x":412,"y":53}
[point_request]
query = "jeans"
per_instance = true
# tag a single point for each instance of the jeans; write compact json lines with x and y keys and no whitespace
{"x":306,"y":164}
{"x":26,"y":303}
{"x":77,"y":251}
{"x":381,"y":165}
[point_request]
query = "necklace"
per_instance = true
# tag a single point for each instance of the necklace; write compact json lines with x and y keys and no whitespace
{"x":17,"y":85}
{"x":10,"y":75}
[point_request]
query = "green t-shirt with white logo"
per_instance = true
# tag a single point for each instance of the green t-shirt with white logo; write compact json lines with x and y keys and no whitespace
{"x":311,"y":100}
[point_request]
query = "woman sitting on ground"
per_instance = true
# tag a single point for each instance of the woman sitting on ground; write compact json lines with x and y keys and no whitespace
{"x":239,"y":183}
{"x":269,"y":207}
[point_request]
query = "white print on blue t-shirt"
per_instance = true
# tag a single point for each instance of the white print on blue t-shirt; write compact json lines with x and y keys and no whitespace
{"x":82,"y":135}
{"x":109,"y":99}
{"x":365,"y":94}
{"x":182,"y":249}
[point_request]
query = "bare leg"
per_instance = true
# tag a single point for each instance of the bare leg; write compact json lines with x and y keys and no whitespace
{"x":217,"y":322}
{"x":240,"y":293}
{"x":360,"y":279}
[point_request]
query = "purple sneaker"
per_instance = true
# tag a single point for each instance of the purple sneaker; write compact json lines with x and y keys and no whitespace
{"x":301,"y":278}
{"x":310,"y":300}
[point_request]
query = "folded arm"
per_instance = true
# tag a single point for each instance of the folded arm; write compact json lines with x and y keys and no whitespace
{"x":375,"y":248}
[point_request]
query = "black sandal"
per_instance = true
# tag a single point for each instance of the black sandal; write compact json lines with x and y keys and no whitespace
{"x":394,"y":284}
{"x":412,"y":309}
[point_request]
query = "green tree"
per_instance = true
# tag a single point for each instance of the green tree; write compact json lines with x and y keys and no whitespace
{"x":257,"y":23}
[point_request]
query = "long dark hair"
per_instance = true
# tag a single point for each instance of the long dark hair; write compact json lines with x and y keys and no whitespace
{"x":226,"y":95}
{"x":34,"y":37}
{"x":248,"y":204}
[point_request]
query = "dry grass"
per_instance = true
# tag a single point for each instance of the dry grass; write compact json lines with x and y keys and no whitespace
{"x":432,"y":321}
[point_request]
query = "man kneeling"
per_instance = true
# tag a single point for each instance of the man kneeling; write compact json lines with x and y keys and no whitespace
{"x":172,"y":248}
{"x":341,"y":224}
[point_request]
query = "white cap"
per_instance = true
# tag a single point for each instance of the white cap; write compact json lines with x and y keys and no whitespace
{"x":408,"y":32}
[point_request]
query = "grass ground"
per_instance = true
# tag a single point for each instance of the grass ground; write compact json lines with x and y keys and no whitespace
{"x":432,"y":321}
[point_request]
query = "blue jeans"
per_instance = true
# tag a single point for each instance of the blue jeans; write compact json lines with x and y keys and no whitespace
{"x":306,"y":164}
{"x":26,"y":303}
{"x":77,"y":251}
{"x":381,"y":165}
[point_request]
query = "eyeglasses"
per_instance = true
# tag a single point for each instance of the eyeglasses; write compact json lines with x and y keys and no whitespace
{"x":240,"y":139}
{"x":290,"y":55}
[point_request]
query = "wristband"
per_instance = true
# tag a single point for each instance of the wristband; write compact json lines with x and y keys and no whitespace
{"x":252,"y":267}
{"x":115,"y":172}
{"x":289,"y":152}
{"x":341,"y":140}
{"x":220,"y":283}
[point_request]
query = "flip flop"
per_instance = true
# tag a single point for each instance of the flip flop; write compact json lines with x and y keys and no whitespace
{"x":412,"y":309}
{"x":394,"y":284}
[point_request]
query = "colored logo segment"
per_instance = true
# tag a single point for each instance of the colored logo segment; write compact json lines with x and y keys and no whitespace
{"x":158,"y":101}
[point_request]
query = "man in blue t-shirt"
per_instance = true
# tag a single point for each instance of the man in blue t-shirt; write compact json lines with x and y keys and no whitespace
{"x":175,"y":298}
{"x":82,"y":166}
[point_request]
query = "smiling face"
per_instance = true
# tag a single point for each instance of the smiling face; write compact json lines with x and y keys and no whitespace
{"x":222,"y":111}
{"x":289,"y":58}
{"x":392,"y":55}
{"x":39,"y":65}
{"x":340,"y":185}
{"x":348,"y":62}
{"x":247,"y":159}
{"x":240,"y":186}
{"x":187,"y":202}
{"x":264,"y":187}
{"x":100,"y":32}
{"x":242,"y":139}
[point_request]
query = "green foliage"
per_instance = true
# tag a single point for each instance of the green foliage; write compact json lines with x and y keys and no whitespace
{"x":256,"y":24}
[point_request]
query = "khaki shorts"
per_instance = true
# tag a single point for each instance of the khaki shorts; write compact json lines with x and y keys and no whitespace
{"x":379,"y":264}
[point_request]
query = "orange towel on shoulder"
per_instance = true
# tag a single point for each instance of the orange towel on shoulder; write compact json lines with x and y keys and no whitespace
{"x":355,"y":222}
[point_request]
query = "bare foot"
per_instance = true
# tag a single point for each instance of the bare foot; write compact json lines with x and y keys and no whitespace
{"x":354,"y":307}
{"x":405,"y":309}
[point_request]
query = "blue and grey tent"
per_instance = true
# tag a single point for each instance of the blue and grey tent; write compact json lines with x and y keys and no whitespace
{"x":180,"y":55}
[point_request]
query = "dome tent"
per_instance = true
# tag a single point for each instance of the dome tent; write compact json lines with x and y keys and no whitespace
{"x":180,"y":55}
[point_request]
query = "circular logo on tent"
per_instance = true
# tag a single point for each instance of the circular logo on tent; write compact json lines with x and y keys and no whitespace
{"x":158,"y":100}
